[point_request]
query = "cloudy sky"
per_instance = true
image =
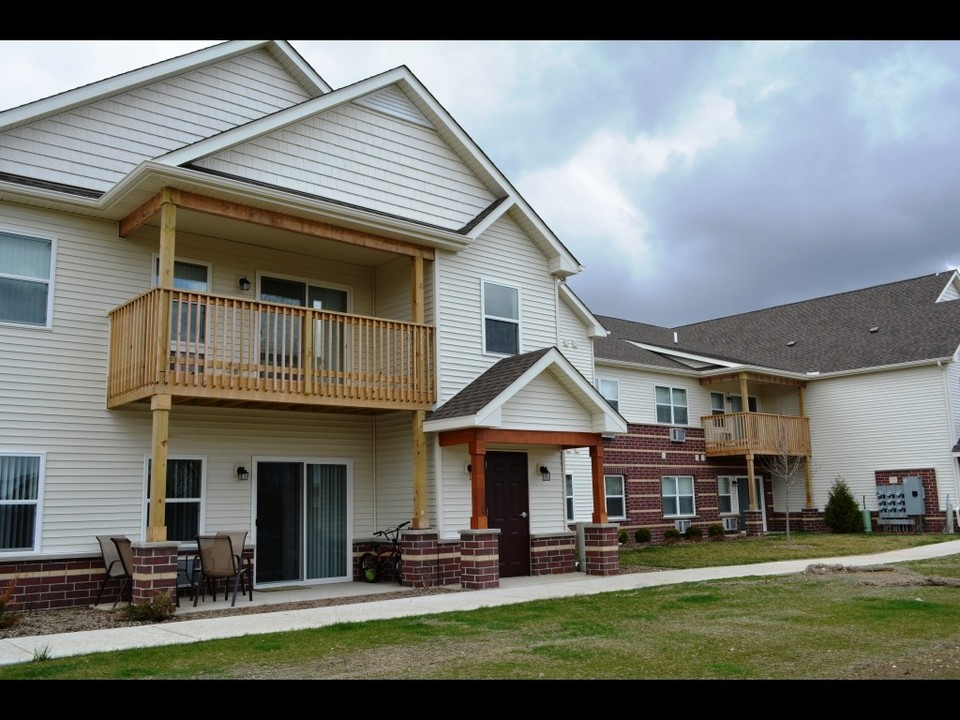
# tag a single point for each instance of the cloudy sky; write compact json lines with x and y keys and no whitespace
{"x":692,"y":179}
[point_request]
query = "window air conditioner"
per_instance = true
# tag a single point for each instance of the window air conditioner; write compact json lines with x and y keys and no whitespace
{"x":682,"y":525}
{"x":731,"y":524}
{"x":678,"y":434}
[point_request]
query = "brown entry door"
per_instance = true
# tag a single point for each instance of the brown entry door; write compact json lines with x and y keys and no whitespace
{"x":508,"y":510}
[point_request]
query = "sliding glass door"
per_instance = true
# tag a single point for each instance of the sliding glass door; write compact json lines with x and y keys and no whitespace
{"x":303,"y":522}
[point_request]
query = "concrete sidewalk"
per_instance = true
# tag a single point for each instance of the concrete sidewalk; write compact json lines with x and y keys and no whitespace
{"x":511,"y":591}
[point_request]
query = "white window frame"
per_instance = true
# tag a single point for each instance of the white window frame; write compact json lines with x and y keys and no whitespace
{"x":155,"y":272}
{"x":678,"y":496}
{"x":37,"y":502}
{"x":49,"y":280}
{"x":568,"y":496}
{"x":718,"y":403}
{"x":610,"y":389}
{"x":201,"y":501}
{"x":622,"y":496}
{"x":516,"y":321}
{"x":673,"y":406}
{"x":730,"y":481}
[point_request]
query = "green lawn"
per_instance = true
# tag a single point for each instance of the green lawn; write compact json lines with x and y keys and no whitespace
{"x":803,"y":626}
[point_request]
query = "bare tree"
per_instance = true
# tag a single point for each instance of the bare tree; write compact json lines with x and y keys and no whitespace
{"x":784,"y":466}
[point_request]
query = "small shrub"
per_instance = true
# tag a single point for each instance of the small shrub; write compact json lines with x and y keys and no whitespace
{"x":642,"y":535}
{"x":841,"y":513}
{"x":622,"y":537}
{"x":671,"y":535}
{"x":715,"y":531}
{"x":694,"y":533}
{"x":8,"y":618}
{"x":158,"y":608}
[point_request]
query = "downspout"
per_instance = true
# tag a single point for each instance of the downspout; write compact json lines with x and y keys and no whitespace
{"x":951,"y":429}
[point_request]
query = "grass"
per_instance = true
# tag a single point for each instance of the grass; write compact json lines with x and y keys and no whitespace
{"x":802,"y":626}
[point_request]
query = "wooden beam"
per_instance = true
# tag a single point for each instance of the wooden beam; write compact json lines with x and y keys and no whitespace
{"x":419,"y":521}
{"x":478,"y":486}
{"x":753,"y":377}
{"x":268,"y":218}
{"x":565,"y":440}
{"x":599,"y":489}
{"x":157,"y":522}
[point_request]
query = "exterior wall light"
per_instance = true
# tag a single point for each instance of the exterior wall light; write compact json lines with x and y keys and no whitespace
{"x":544,"y":473}
{"x":242,"y":473}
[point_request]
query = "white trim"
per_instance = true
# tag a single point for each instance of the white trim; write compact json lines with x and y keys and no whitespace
{"x":38,"y":517}
{"x":51,"y":280}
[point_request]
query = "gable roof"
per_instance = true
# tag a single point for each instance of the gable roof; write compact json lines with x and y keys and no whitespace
{"x":909,"y":321}
{"x":478,"y":404}
{"x":321,"y":98}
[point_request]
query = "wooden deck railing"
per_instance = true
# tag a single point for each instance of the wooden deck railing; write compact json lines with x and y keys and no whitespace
{"x":232,"y":350}
{"x":746,"y":433}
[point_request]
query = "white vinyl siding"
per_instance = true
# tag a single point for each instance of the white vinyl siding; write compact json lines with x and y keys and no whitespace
{"x":850,"y":439}
{"x":394,"y":477}
{"x":95,"y":146}
{"x":573,"y":341}
{"x":355,"y":155}
{"x":577,"y":463}
{"x":543,"y":404}
{"x":460,"y":310}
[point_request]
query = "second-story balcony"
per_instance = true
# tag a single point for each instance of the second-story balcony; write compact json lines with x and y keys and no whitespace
{"x":750,"y":433}
{"x":217,"y":350}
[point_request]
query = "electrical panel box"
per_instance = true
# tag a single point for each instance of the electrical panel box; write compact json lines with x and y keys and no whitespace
{"x":900,"y":501}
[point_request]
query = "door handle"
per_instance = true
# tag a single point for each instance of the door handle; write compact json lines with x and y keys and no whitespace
{"x":523,"y":514}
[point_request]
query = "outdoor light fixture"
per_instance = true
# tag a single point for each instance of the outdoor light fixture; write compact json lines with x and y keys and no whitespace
{"x":242,"y":473}
{"x":244,"y":284}
{"x":544,"y":473}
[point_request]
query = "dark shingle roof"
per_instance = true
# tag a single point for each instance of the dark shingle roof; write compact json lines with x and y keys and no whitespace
{"x":826,"y":334}
{"x":478,"y":394}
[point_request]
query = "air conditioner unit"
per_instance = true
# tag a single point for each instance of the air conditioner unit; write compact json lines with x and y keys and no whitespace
{"x":682,"y":525}
{"x":678,"y":434}
{"x":731,"y":524}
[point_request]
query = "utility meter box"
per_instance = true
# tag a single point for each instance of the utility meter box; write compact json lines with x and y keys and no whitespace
{"x":899,"y":502}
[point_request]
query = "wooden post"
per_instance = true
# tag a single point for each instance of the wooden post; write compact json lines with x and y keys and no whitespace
{"x":808,"y":481}
{"x":599,"y":490}
{"x":157,"y":523}
{"x":419,"y":521}
{"x":478,"y":486}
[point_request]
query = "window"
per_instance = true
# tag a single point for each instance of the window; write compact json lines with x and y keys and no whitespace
{"x":616,"y":503}
{"x":501,"y":319}
{"x":188,"y":322}
{"x":184,"y":495}
{"x":717,"y":404}
{"x":610,"y":389}
{"x":568,"y":490}
{"x":20,"y":483}
{"x":725,"y":494}
{"x":25,"y":276}
{"x":736,"y":403}
{"x":677,"y":493}
{"x":671,"y":405}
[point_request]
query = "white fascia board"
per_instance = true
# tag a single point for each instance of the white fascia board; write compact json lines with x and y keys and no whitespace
{"x":563,"y":262}
{"x":817,"y":375}
{"x":64,"y":101}
{"x":589,"y":393}
{"x":304,"y":68}
{"x":488,"y":419}
{"x":280,"y":201}
{"x":954,"y":282}
{"x":688,"y":356}
{"x":594,"y":328}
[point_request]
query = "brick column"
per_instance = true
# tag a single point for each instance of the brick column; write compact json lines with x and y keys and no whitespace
{"x":480,"y":559}
{"x":753,"y":520}
{"x":418,"y":566}
{"x":810,"y":520}
{"x":601,"y":549}
{"x":154,"y":570}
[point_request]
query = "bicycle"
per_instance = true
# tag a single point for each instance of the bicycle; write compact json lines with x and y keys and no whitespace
{"x":385,"y":557}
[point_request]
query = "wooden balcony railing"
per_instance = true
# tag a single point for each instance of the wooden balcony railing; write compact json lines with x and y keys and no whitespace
{"x":225,"y":350}
{"x":747,"y":433}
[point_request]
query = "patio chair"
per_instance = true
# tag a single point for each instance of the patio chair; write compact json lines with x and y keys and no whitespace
{"x":238,"y":539}
{"x":114,"y":566}
{"x":218,"y":561}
